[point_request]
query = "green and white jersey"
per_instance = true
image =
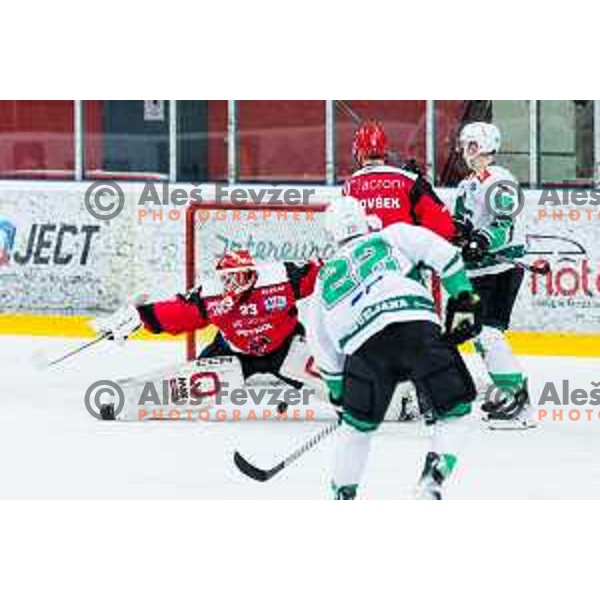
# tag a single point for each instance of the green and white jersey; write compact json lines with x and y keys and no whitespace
{"x":488,"y":201}
{"x":373,"y":281}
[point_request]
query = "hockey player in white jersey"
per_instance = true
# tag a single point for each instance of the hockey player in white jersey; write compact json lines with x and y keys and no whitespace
{"x":373,"y":324}
{"x":485,"y":213}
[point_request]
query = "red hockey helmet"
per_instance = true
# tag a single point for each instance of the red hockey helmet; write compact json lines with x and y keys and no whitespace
{"x":370,"y":142}
{"x":237,"y":279}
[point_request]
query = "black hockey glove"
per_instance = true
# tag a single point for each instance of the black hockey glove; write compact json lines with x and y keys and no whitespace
{"x":463,"y":318}
{"x":464,"y":229}
{"x":412,"y":166}
{"x":476,"y":247}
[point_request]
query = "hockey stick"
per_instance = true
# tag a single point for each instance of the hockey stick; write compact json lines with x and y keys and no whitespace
{"x":297,"y":385}
{"x":518,"y":263}
{"x":41,"y":361}
{"x":258,"y":474}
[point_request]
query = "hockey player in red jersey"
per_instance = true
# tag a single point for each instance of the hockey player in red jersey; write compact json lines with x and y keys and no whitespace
{"x":393,"y":194}
{"x":253,"y":307}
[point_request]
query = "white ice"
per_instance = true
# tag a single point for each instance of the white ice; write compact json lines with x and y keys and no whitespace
{"x":52,"y":448}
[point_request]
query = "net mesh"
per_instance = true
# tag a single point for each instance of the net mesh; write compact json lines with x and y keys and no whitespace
{"x":270,"y":235}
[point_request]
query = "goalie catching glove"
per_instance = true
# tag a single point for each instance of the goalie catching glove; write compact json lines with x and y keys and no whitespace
{"x":463,"y":318}
{"x":120,"y":325}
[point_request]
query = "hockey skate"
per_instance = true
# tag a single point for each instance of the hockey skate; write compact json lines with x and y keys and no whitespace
{"x":344,"y":492}
{"x":512,"y":413}
{"x":435,"y":471}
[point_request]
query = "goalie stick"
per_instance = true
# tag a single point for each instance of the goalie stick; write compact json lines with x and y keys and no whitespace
{"x":41,"y":361}
{"x":262,"y":475}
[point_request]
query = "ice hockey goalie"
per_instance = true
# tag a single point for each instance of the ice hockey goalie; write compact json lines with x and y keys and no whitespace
{"x":254,"y":308}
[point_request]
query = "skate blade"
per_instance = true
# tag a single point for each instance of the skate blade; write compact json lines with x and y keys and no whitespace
{"x":427,"y":493}
{"x":510,"y":425}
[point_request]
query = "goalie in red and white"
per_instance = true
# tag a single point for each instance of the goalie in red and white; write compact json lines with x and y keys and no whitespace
{"x":254,"y":308}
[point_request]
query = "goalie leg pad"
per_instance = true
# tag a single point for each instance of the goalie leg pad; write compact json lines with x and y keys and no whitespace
{"x":251,"y":364}
{"x":297,"y":362}
{"x":191,"y":385}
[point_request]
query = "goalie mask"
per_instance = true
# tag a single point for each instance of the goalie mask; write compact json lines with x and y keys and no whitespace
{"x":345,"y":219}
{"x":235,"y":277}
{"x":478,"y":139}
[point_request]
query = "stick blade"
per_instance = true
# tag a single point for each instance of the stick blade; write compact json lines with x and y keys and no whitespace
{"x":39,"y":360}
{"x":251,"y":471}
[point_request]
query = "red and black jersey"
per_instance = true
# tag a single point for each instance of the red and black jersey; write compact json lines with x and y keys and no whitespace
{"x":257,"y":323}
{"x":399,"y":196}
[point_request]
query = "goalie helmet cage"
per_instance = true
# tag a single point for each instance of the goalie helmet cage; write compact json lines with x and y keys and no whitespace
{"x":275,"y":234}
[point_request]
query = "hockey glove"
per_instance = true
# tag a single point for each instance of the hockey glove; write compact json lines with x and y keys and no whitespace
{"x":120,"y":325}
{"x":412,"y":166}
{"x":464,"y":229}
{"x":374,"y":223}
{"x":476,"y":247}
{"x":463,"y":318}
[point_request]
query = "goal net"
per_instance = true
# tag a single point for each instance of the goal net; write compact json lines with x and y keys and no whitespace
{"x":272,"y":235}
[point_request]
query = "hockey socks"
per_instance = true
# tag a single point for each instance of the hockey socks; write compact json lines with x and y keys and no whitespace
{"x":492,"y":346}
{"x":450,"y":435}
{"x":350,"y":460}
{"x":436,"y":470}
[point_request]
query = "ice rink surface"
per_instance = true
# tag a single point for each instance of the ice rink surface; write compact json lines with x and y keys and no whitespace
{"x":52,"y":447}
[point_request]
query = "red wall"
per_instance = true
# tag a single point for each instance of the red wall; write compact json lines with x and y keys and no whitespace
{"x":404,"y":122}
{"x":36,"y":136}
{"x":279,"y":140}
{"x":217,"y":140}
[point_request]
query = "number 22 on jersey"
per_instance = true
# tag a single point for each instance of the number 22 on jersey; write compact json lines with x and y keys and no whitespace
{"x":342,"y":276}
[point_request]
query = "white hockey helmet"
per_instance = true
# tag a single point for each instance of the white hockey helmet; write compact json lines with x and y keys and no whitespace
{"x":345,"y":218}
{"x":478,"y":138}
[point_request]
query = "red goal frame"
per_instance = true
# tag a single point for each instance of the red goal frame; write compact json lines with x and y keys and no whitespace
{"x":191,"y":239}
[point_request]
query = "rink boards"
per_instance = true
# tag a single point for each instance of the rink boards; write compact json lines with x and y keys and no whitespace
{"x":61,"y":265}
